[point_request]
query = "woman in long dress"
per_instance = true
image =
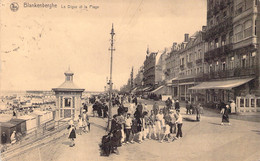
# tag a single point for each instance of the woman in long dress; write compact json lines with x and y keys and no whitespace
{"x":225,"y":117}
{"x":13,"y":137}
{"x":160,"y":124}
{"x":233,"y":106}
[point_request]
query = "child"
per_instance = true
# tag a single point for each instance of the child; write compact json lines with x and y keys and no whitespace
{"x":151,"y":125}
{"x":72,"y":133}
{"x":166,"y":133}
{"x":128,"y":124}
{"x":134,"y":130}
{"x":145,"y":125}
{"x":80,"y":124}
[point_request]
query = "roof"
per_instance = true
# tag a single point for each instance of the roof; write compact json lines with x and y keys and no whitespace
{"x":6,"y":124}
{"x":16,"y":121}
{"x":68,"y":86}
{"x":222,"y":84}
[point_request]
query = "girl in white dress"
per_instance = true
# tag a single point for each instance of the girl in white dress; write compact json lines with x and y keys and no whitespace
{"x":160,"y":124}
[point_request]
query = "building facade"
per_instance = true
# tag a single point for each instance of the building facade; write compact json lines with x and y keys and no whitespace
{"x":149,"y":69}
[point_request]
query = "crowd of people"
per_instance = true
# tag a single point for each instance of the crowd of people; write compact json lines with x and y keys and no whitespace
{"x":83,"y":125}
{"x":136,"y":124}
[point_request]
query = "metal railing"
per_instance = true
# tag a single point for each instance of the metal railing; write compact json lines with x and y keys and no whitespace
{"x":39,"y":133}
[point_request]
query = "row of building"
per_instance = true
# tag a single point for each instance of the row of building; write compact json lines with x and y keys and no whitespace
{"x":219,"y":63}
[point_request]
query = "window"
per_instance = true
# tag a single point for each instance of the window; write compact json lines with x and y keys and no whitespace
{"x":210,"y":68}
{"x":223,"y":40}
{"x":67,"y":102}
{"x":255,"y":27}
{"x":243,"y":63}
{"x":216,"y":66}
{"x":199,"y":54}
{"x":238,"y":33}
{"x":232,"y":63}
{"x":248,"y":29}
{"x":182,"y":61}
{"x":252,"y":59}
{"x":239,"y":8}
{"x":231,"y":37}
{"x":216,"y":43}
{"x":223,"y":65}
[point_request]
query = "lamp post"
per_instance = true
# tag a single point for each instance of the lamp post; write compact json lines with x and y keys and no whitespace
{"x":110,"y":80}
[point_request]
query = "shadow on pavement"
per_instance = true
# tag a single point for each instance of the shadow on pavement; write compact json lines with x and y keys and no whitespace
{"x":256,"y":131}
{"x":213,"y":123}
{"x":66,"y":143}
{"x":96,"y":125}
{"x":189,"y":119}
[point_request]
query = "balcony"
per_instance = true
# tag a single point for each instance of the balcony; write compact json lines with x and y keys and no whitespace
{"x":219,"y":74}
{"x":218,"y":52}
{"x":223,"y":27}
{"x":189,"y":64}
{"x":237,"y":72}
{"x":246,"y":71}
{"x":199,"y":61}
{"x":182,"y":67}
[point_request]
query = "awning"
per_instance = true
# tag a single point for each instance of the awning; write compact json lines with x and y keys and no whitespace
{"x":225,"y":84}
{"x":147,"y":89}
{"x":134,"y":90}
{"x":187,"y":83}
{"x":158,"y":90}
{"x":169,"y":82}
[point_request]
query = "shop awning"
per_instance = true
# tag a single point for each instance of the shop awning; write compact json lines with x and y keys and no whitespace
{"x":134,"y":90}
{"x":222,"y":84}
{"x":169,"y":82}
{"x":147,"y":89}
{"x":158,"y":90}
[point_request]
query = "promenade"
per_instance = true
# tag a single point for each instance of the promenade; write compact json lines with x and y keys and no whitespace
{"x":205,"y":140}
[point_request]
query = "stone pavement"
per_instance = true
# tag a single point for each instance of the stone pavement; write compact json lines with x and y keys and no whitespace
{"x":206,"y":140}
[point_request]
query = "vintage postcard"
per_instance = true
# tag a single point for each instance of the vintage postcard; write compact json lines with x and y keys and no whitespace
{"x":129,"y":80}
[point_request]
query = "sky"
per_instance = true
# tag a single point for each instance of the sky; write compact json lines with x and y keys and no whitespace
{"x":38,"y":45}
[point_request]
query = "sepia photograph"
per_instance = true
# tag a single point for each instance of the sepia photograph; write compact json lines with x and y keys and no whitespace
{"x":130,"y":80}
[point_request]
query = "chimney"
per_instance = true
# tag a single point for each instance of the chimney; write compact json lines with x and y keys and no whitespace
{"x":204,"y":28}
{"x":186,"y":37}
{"x":174,"y":46}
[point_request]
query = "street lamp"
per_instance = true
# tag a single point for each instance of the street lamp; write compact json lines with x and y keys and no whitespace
{"x":110,"y":80}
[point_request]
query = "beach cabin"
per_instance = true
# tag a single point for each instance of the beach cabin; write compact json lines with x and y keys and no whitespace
{"x":8,"y":128}
{"x":20,"y":125}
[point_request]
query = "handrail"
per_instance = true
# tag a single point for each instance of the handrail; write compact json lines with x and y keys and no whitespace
{"x":36,"y":135}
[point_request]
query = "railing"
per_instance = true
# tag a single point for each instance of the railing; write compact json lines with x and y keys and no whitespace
{"x":37,"y":134}
{"x":218,"y":52}
{"x":189,"y":64}
{"x":248,"y":104}
{"x":198,"y":61}
{"x":220,"y":28}
{"x":237,"y":72}
{"x":182,"y":67}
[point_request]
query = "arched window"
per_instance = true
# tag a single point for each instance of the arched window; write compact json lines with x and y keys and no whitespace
{"x":248,"y":28}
